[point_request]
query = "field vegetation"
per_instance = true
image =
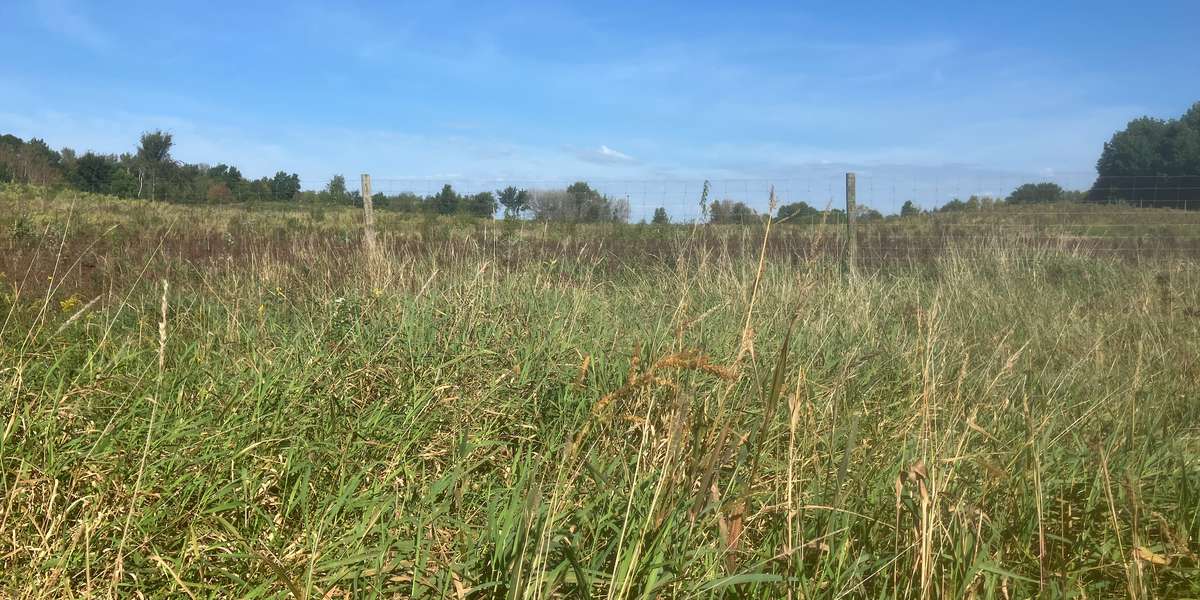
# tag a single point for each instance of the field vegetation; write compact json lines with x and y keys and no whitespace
{"x":237,"y":401}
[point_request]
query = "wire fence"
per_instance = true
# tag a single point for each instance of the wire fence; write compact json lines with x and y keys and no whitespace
{"x":896,"y":217}
{"x":687,"y":201}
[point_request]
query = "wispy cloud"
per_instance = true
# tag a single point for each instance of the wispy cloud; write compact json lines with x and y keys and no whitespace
{"x":604,"y":156}
{"x":68,"y":20}
{"x":510,"y":92}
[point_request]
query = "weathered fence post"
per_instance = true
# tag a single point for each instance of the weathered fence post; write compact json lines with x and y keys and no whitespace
{"x":851,"y":230}
{"x":368,"y":214}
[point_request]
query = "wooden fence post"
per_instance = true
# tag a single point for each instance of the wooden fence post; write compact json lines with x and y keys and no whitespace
{"x":368,"y":214}
{"x":851,"y":229}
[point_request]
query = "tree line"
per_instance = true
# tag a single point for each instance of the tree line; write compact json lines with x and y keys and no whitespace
{"x":578,"y":202}
{"x":1152,"y":162}
{"x":735,"y":212}
{"x":149,"y":172}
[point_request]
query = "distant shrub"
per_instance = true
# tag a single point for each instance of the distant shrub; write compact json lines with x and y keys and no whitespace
{"x":660,"y":216}
{"x":724,"y":212}
{"x":1036,"y":193}
{"x":219,"y":193}
{"x":21,"y":229}
{"x":796,"y":212}
{"x":579,"y":203}
{"x":864,"y":213}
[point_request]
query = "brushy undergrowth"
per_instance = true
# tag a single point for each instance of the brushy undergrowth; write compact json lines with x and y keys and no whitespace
{"x":989,"y":423}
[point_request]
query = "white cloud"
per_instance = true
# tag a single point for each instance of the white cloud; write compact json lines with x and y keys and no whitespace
{"x":610,"y":153}
{"x":605,"y":156}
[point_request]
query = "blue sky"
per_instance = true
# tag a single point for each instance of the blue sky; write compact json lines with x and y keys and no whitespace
{"x":608,"y":91}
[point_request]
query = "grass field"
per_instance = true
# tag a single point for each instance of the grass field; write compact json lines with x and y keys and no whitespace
{"x":237,"y":402}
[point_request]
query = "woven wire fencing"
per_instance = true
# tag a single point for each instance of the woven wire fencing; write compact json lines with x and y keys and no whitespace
{"x":897,"y":217}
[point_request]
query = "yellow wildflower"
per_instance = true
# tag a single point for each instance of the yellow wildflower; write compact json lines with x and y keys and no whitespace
{"x":69,"y":304}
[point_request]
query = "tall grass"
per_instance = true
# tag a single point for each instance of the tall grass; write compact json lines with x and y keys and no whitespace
{"x":480,"y":420}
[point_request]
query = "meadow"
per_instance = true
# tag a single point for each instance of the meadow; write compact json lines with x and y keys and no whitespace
{"x":238,"y":401}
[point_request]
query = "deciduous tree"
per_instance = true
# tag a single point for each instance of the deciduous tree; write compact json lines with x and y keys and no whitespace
{"x":660,"y":216}
{"x":513,"y":200}
{"x":153,"y":157}
{"x":1036,"y":193}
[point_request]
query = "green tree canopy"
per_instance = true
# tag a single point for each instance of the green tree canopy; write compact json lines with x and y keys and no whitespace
{"x":660,"y":216}
{"x":866,"y":213}
{"x":728,"y":211}
{"x":578,"y":203}
{"x":1153,"y":162}
{"x":284,"y":186}
{"x":1036,"y":193}
{"x":154,"y":159}
{"x":335,"y":190}
{"x":446,"y":201}
{"x":93,"y":173}
{"x":1149,"y":146}
{"x":1135,"y":150}
{"x":29,"y":162}
{"x":155,"y":147}
{"x":230,"y":176}
{"x":513,"y":200}
{"x":796,"y":212}
{"x":587,"y":203}
{"x":482,"y":205}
